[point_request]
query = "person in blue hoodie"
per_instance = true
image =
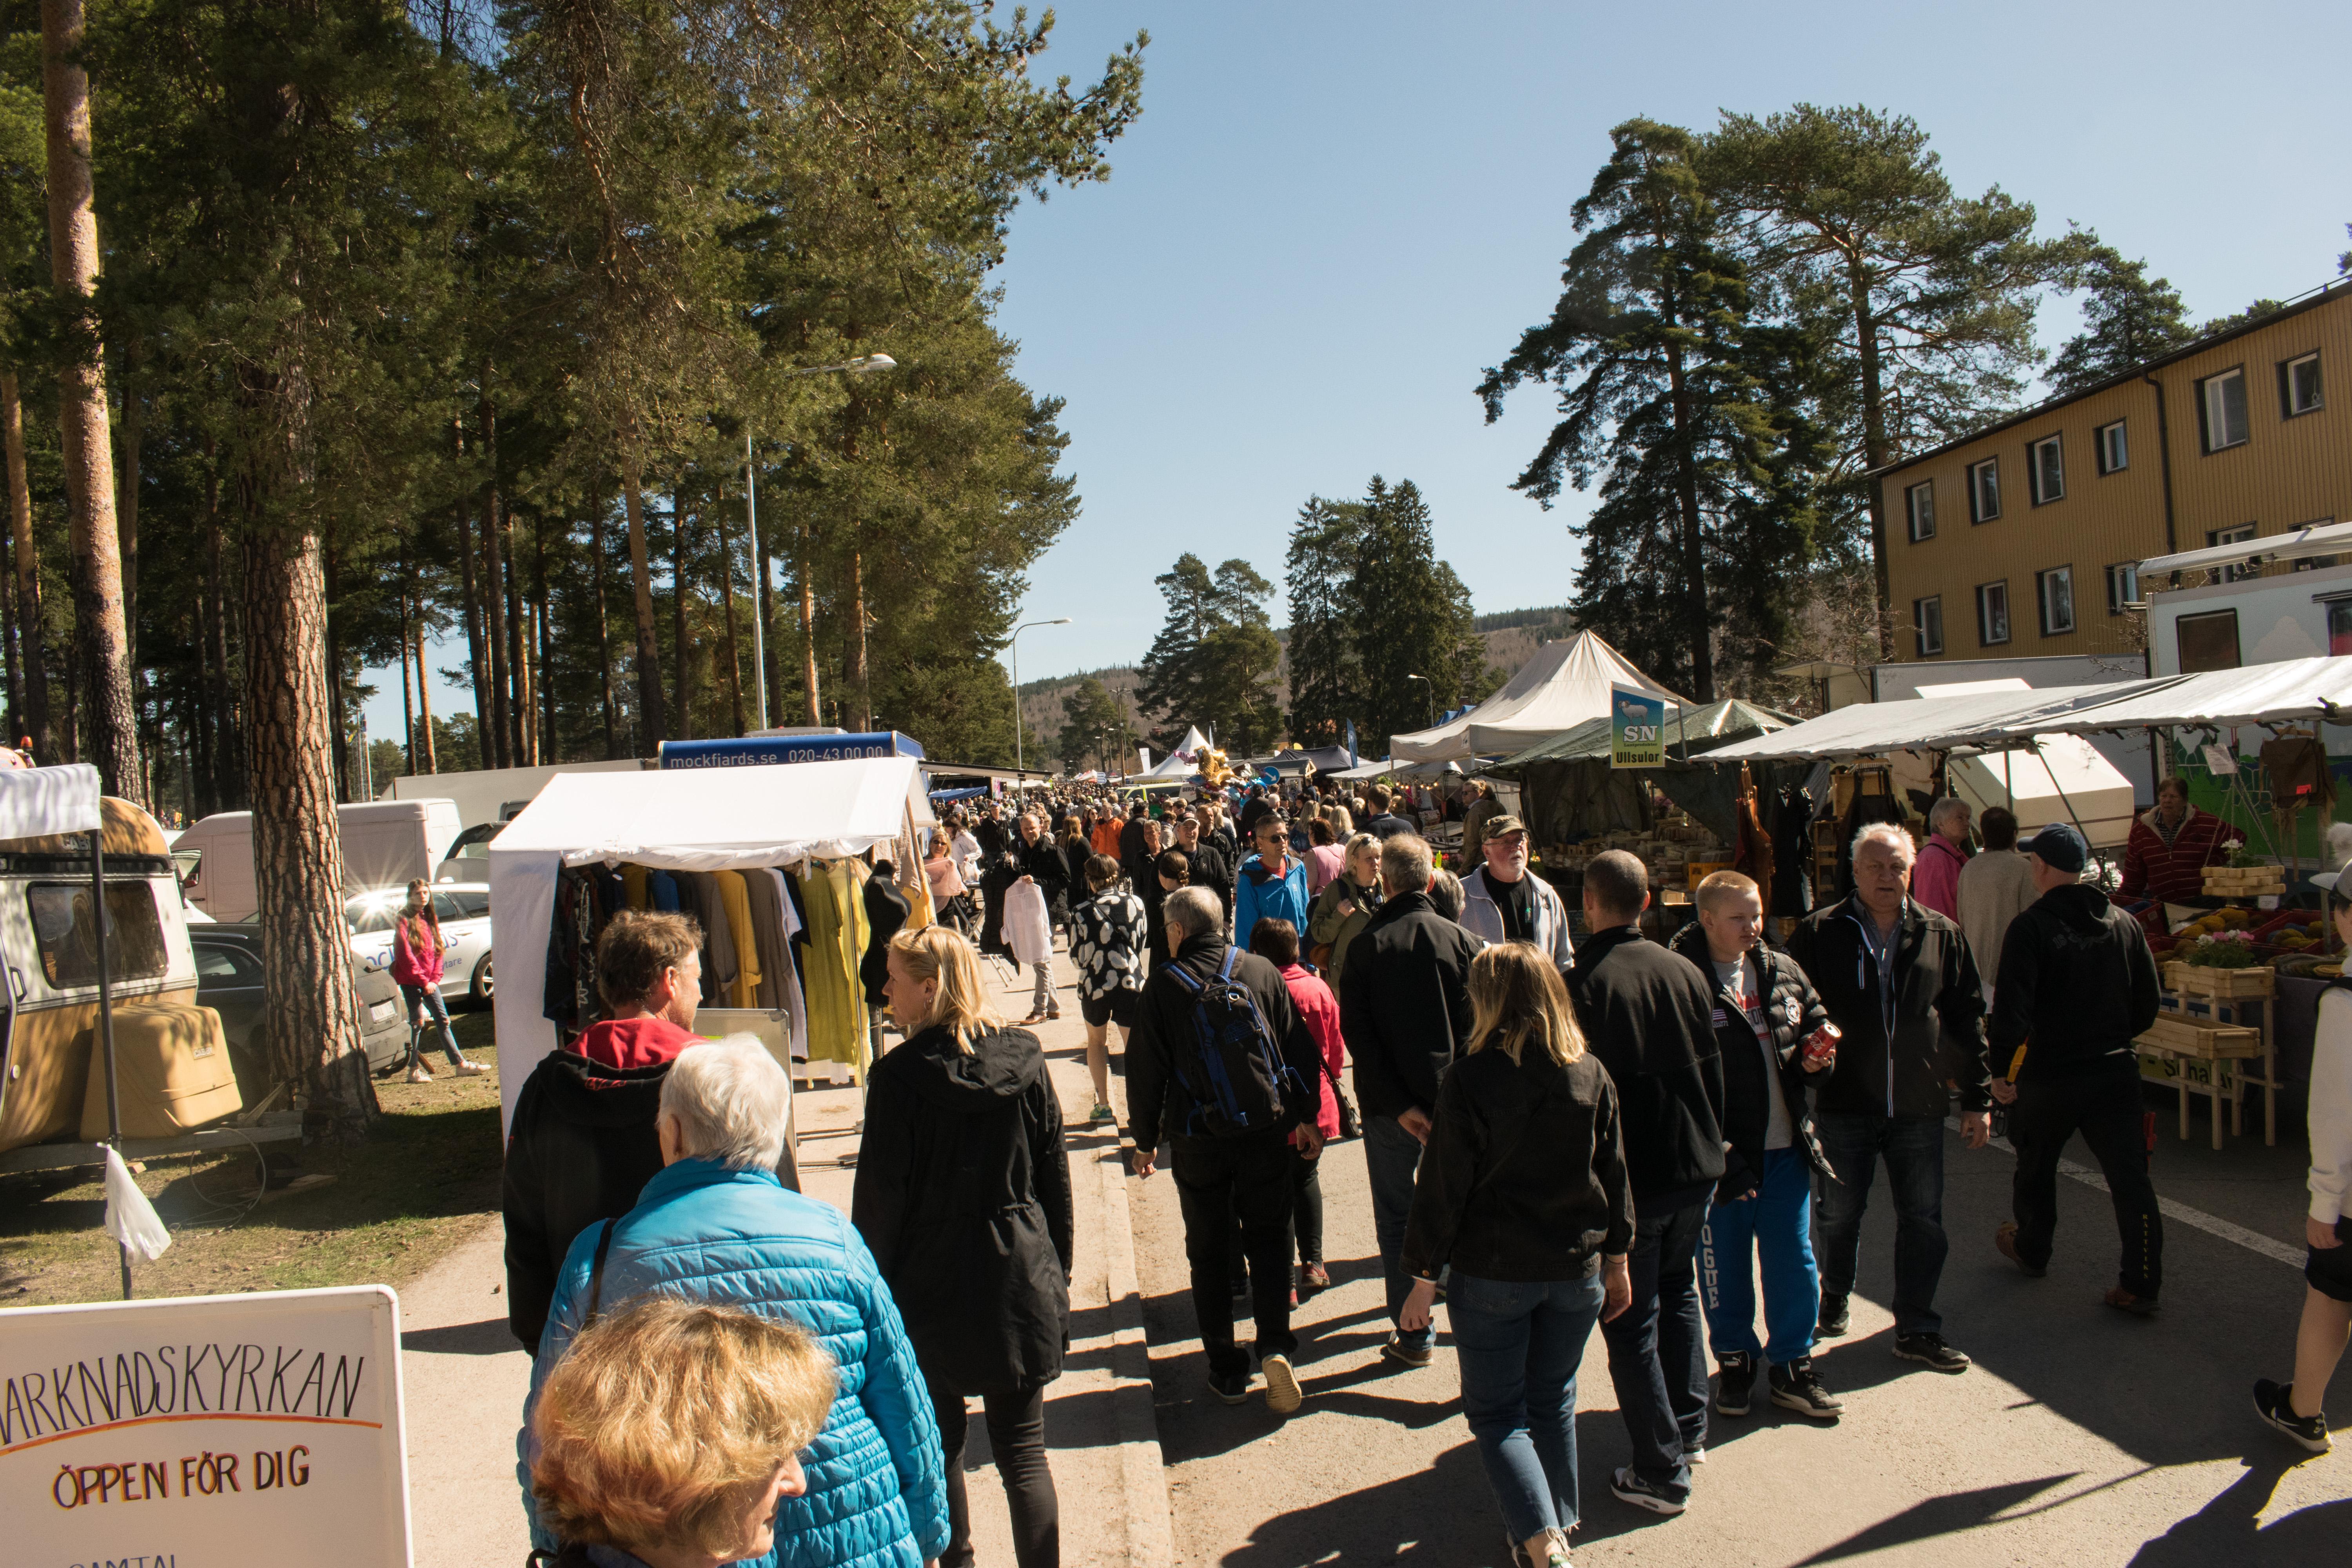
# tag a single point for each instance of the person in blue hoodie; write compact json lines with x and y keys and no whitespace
{"x":716,"y":1226}
{"x":1272,"y":883}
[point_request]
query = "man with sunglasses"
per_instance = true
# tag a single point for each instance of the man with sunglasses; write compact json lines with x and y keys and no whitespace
{"x":1272,"y":883}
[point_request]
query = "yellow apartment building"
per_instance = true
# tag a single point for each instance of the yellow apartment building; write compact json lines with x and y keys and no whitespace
{"x":2025,"y":539}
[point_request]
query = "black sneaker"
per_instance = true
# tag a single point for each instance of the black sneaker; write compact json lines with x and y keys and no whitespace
{"x":1232,"y":1387}
{"x":2270,"y":1404}
{"x":1929,"y":1350}
{"x":1832,"y":1323}
{"x":1735,"y":1382}
{"x":1403,"y":1355}
{"x":1797,"y":1387}
{"x":1631,"y":1488}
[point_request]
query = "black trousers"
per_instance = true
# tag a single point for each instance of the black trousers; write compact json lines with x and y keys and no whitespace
{"x":1016,"y":1436}
{"x":1306,"y":1218}
{"x":1219,"y":1180}
{"x":2105,"y":1107}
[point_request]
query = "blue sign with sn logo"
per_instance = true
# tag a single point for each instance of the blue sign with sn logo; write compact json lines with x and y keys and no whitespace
{"x":1637,"y":729}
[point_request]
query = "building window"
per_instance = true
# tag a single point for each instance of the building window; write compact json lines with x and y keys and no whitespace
{"x":2299,"y":390}
{"x":1992,"y":614}
{"x":2237,"y":573}
{"x":1984,"y":490}
{"x":2209,"y":641}
{"x":2222,"y":409}
{"x":2055,"y":590}
{"x":2123,"y":587}
{"x":2047,"y":469}
{"x":1920,"y":510}
{"x":1927,"y":622}
{"x":2115,"y":454}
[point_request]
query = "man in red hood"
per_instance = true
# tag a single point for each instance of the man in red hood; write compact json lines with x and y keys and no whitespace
{"x":654,"y":962}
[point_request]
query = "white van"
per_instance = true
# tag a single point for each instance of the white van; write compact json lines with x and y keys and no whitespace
{"x":385,"y":844}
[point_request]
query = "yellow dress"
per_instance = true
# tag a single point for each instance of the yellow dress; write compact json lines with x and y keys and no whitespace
{"x":633,"y":878}
{"x":837,"y":929}
{"x":744,"y":991}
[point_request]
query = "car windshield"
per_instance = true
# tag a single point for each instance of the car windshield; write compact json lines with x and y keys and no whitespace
{"x":368,"y":917}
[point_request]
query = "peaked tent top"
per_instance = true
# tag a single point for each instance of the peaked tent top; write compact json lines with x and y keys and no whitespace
{"x":1563,"y":686}
{"x":1184,"y":761}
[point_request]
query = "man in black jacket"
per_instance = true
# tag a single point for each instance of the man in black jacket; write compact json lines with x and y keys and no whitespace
{"x":1773,"y":1034}
{"x":1648,"y":1014}
{"x":1209,"y":868}
{"x":1380,"y":822}
{"x":1404,"y":1009}
{"x":2077,"y":984}
{"x":1219,"y":1178}
{"x":1900,"y":984}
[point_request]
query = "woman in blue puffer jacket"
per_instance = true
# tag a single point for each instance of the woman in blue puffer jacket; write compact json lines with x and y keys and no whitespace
{"x":716,"y":1226}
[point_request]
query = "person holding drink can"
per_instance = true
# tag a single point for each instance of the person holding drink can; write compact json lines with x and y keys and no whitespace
{"x":1775,"y":1038}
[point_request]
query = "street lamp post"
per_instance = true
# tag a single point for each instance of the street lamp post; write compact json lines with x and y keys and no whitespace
{"x":1013,"y":644}
{"x":858,"y":366}
{"x":1433,"y":697}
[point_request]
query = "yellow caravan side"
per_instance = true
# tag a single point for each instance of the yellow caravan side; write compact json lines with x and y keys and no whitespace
{"x":178,"y":1064}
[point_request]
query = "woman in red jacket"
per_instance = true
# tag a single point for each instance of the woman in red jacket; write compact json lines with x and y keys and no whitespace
{"x":416,"y":949}
{"x":1276,"y":942}
{"x":2166,"y":856}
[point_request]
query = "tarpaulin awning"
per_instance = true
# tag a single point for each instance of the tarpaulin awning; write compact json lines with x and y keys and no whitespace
{"x":1566,"y":684}
{"x":1924,"y":723}
{"x":1695,"y":728}
{"x":2287,"y":692}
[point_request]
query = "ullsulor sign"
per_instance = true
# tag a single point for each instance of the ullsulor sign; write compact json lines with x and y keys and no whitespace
{"x":1637,"y":729}
{"x":249,"y":1431}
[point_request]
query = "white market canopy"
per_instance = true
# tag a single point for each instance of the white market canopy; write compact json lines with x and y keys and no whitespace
{"x":2321,"y":539}
{"x":680,"y":819}
{"x":1184,"y":761}
{"x":2293,"y":691}
{"x":1566,"y":684}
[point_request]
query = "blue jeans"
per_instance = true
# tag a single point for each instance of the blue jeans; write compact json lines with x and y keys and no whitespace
{"x":1913,"y":1147}
{"x":1777,"y":1221}
{"x":1519,"y":1344}
{"x":1393,"y":1159}
{"x":1658,"y":1352}
{"x":423,"y":1000}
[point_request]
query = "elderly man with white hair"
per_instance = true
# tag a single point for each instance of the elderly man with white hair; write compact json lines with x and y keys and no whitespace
{"x":716,"y":1226}
{"x":1899,"y":982}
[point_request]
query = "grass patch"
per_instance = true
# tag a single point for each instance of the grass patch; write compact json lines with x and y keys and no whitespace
{"x":423,"y":1183}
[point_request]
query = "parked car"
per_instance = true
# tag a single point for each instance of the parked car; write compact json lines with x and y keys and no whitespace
{"x":229,"y":981}
{"x":464,"y":909}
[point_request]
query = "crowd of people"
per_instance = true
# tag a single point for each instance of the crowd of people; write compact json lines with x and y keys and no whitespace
{"x":1567,"y":1125}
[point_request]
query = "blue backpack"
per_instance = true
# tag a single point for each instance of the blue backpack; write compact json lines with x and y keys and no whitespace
{"x":1237,"y":1076}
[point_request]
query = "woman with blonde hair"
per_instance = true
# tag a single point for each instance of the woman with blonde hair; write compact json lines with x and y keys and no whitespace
{"x":964,"y":1195}
{"x":670,"y":1432}
{"x":1523,"y":1194}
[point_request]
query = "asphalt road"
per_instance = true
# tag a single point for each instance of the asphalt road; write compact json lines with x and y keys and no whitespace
{"x":2082,"y":1436}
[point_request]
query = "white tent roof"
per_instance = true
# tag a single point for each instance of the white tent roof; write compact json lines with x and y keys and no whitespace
{"x":42,"y":802}
{"x":2285,"y":692}
{"x":684,"y":819}
{"x":2321,"y":539}
{"x":1563,"y":686}
{"x":1184,"y":761}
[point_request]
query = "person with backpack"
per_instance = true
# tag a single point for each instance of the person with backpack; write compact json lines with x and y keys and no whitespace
{"x":1224,"y":1069}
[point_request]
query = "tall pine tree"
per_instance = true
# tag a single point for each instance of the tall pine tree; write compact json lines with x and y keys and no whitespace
{"x":1412,"y":617}
{"x":1321,"y":657}
{"x":2128,"y":318}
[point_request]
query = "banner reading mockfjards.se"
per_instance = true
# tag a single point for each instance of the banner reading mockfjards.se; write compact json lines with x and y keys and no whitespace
{"x":252,"y":1431}
{"x":1637,"y":729}
{"x":763,"y":751}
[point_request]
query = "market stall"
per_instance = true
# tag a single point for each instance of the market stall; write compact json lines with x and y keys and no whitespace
{"x":590,"y":840}
{"x":1567,"y":683}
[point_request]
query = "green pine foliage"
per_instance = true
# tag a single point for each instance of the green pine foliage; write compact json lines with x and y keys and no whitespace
{"x":1214,"y":661}
{"x":2128,"y":318}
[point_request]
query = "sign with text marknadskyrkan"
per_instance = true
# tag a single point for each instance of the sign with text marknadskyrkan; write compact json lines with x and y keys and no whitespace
{"x":253,"y":1431}
{"x":1637,"y":729}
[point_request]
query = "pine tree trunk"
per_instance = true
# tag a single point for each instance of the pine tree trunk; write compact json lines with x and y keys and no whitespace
{"x":9,"y":640}
{"x":727,"y":590}
{"x":338,"y":711}
{"x":519,"y":703}
{"x":603,"y":623}
{"x":101,"y":634}
{"x":652,"y":723}
{"x":424,"y":697}
{"x":470,"y":606}
{"x":1696,"y":622}
{"x":495,"y":753}
{"x":228,"y":729}
{"x":857,"y":677}
{"x":808,"y":624}
{"x":682,"y":696}
{"x":407,"y":707}
{"x":36,"y":711}
{"x":134,"y":432}
{"x":544,"y":747}
{"x":202,"y":799}
{"x":771,"y":656}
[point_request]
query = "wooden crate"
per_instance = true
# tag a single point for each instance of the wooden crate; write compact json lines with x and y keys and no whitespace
{"x":2196,"y":1057}
{"x":2221,"y":984}
{"x":2181,"y":1034}
{"x":2243,"y":881}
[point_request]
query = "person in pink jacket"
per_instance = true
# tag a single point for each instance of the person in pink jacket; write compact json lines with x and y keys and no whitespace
{"x":416,"y":949}
{"x":1936,"y":877}
{"x":1276,"y":942}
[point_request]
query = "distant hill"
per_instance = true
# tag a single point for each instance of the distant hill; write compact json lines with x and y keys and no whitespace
{"x":1512,"y":637}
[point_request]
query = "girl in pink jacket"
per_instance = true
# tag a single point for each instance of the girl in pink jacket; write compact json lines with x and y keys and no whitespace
{"x":416,"y":949}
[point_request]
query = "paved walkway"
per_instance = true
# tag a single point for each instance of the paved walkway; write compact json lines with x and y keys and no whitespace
{"x":465,"y":1378}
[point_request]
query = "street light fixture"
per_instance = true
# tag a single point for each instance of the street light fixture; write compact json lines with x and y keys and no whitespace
{"x":1433,"y":697}
{"x":1013,"y":645}
{"x":857,"y":366}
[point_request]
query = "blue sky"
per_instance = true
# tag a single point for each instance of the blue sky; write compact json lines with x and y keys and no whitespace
{"x":1331,"y":217}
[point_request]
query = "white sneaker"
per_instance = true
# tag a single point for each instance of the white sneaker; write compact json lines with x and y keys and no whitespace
{"x":420,"y":1073}
{"x":1282,"y":1391}
{"x":470,"y":1070}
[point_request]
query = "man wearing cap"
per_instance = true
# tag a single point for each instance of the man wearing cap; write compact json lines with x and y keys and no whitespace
{"x":1502,"y":900}
{"x":2077,"y":984}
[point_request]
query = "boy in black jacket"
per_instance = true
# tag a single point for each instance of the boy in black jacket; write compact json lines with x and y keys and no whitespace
{"x":1648,"y":1013}
{"x":2077,"y":984}
{"x":1776,"y":1041}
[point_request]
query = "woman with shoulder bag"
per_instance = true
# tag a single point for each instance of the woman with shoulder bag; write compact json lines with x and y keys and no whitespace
{"x":964,"y":1195}
{"x":1523,"y":1194}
